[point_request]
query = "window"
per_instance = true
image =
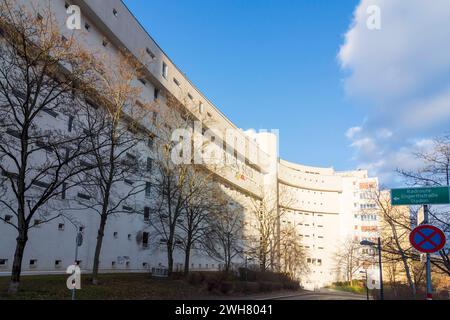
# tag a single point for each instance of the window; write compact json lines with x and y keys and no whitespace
{"x":201,"y":107}
{"x":115,"y":235}
{"x":8,"y":218}
{"x":70,"y":124}
{"x":146,"y":214}
{"x":33,"y":263}
{"x":129,"y":236}
{"x":13,"y":133}
{"x":190,"y":97}
{"x":156,"y":94}
{"x":113,"y":264}
{"x":84,"y":196}
{"x":150,"y":53}
{"x":176,"y":82}
{"x":19,"y":94}
{"x":148,"y":187}
{"x":145,"y":239}
{"x":64,"y":190}
{"x":126,"y":208}
{"x":149,"y":164}
{"x":3,"y":263}
{"x":58,"y":263}
{"x":164,"y":70}
{"x":61,"y":226}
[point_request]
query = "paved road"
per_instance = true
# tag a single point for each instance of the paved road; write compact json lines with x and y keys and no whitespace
{"x":323,"y":295}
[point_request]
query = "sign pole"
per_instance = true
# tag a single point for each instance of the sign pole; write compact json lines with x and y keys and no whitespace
{"x":381,"y":270}
{"x":428,"y":263}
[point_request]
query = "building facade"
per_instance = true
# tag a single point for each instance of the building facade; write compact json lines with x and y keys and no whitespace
{"x":325,"y":206}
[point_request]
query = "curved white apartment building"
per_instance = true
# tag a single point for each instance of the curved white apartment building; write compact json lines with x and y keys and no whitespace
{"x":326,"y":204}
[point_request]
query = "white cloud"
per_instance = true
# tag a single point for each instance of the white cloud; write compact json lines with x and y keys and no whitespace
{"x":401,"y":76}
{"x":351,"y":132}
{"x":384,"y":133}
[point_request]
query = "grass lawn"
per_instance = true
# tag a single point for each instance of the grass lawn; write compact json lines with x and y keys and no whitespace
{"x":112,"y":286}
{"x":357,"y":289}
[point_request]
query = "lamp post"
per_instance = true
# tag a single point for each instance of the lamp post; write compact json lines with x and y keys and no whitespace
{"x":246,"y":266}
{"x":367,"y":283}
{"x":378,"y":246}
{"x":78,"y":243}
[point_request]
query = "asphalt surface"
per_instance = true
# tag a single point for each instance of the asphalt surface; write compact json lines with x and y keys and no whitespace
{"x":324,"y":294}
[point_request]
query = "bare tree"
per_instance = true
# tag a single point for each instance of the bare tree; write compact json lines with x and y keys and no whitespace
{"x":293,"y":254}
{"x":180,"y":184}
{"x":224,"y":240}
{"x":266,"y":214}
{"x":117,"y":120}
{"x":395,"y":229}
{"x":435,"y":171}
{"x":40,"y":70}
{"x":348,"y":259}
{"x":197,"y":215}
{"x":172,"y":183}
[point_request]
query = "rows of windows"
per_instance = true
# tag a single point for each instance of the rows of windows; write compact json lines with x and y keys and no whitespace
{"x":368,"y":217}
{"x":164,"y":71}
{"x":58,"y":263}
{"x":314,"y":261}
{"x":368,"y":206}
{"x":125,"y":261}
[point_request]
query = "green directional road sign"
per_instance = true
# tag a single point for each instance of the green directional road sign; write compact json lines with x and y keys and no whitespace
{"x":420,"y":196}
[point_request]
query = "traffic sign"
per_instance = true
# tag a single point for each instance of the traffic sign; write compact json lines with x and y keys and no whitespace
{"x":420,"y":196}
{"x":427,"y":239}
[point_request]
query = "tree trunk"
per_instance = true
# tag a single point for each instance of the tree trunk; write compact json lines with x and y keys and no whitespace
{"x":187,"y":257}
{"x":21,"y":242}
{"x":169,"y":259}
{"x":404,"y":260}
{"x":98,"y":248}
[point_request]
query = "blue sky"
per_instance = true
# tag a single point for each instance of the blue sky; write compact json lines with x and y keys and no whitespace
{"x":342,"y":94}
{"x":267,"y":65}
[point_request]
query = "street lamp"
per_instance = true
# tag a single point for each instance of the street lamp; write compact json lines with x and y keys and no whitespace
{"x":378,"y":246}
{"x":246,"y":266}
{"x":78,"y":243}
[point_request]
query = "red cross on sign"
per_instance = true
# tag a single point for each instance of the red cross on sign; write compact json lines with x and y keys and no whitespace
{"x":428,"y":239}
